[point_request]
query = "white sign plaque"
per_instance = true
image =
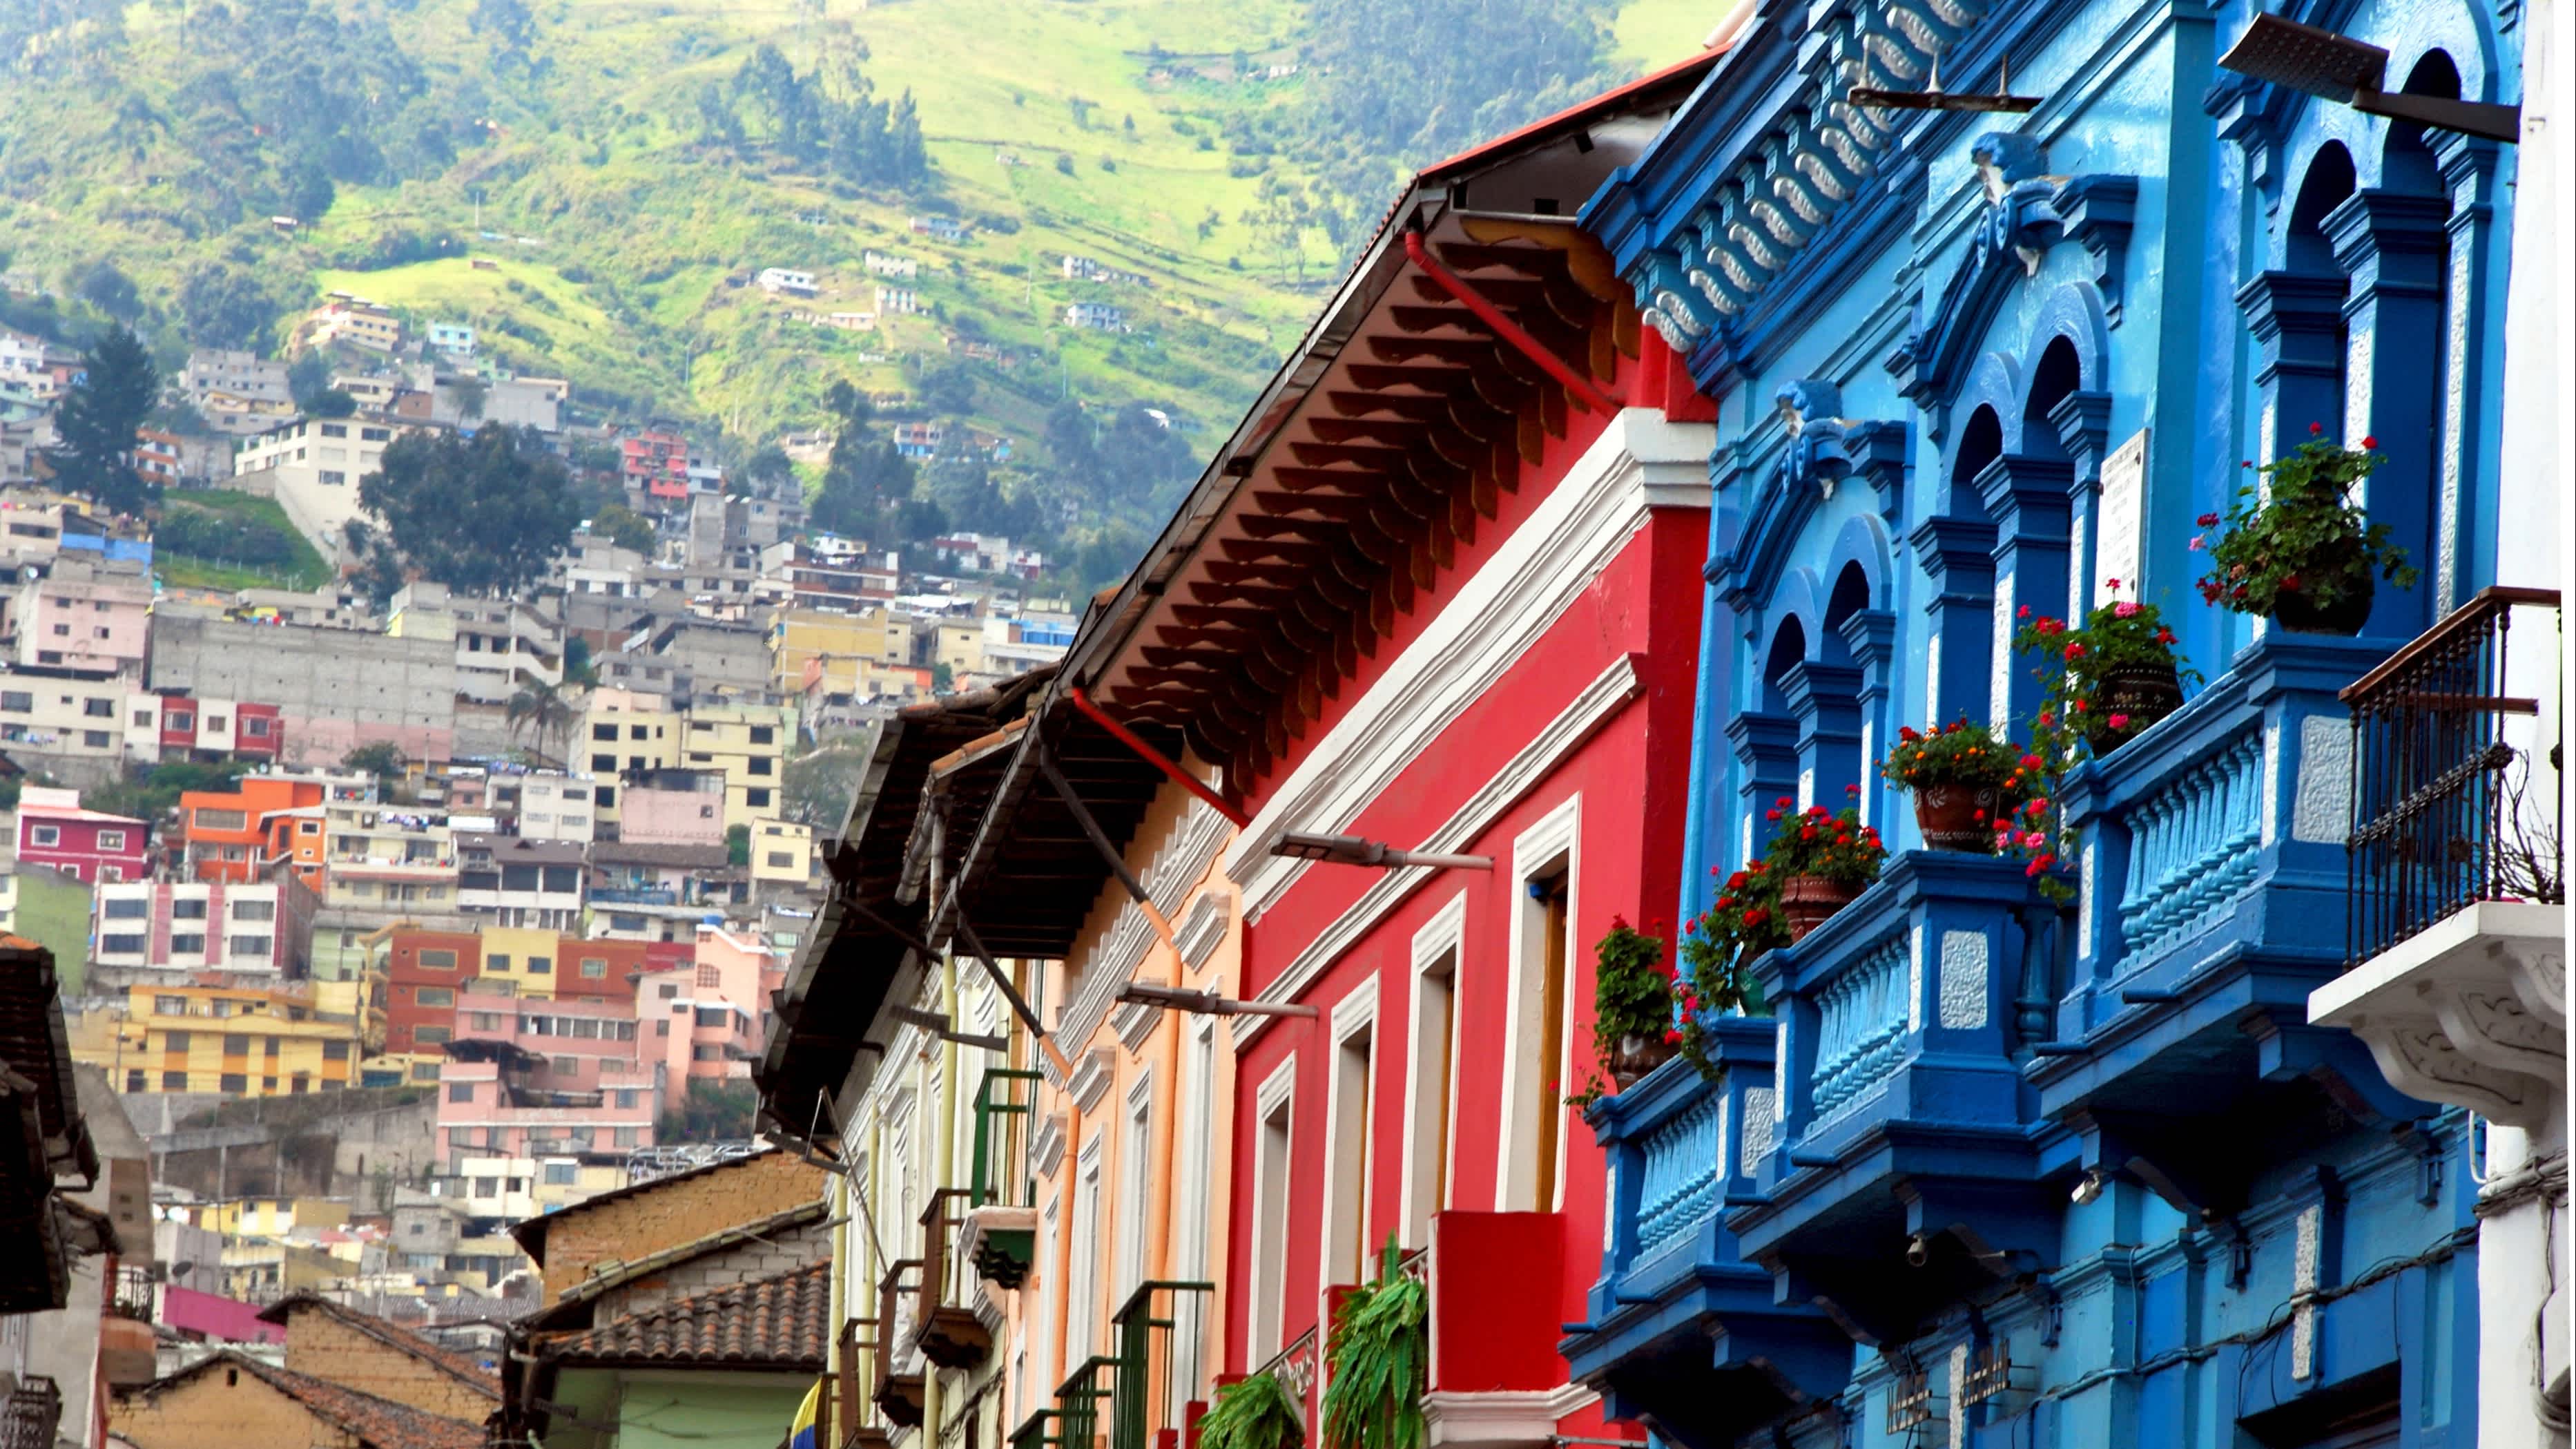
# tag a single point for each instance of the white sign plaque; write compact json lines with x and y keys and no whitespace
{"x":2119,"y":551}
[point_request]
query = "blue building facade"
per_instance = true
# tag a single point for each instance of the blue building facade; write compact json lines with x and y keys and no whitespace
{"x":2000,"y":1171}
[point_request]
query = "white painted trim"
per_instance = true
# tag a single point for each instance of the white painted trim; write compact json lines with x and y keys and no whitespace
{"x":1554,"y":836}
{"x":1355,"y":1013}
{"x":1275,"y":1097}
{"x":1501,"y":1418}
{"x":1443,"y":937}
{"x":1091,"y":1078}
{"x":1640,"y":462}
{"x":1094,"y":972}
{"x":1203,"y":929}
{"x":1598,"y":703}
{"x":1134,"y":1022}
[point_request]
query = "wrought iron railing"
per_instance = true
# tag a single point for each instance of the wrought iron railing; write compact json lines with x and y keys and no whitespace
{"x":1142,"y":1369}
{"x":1004,"y":1110}
{"x":2447,"y":736}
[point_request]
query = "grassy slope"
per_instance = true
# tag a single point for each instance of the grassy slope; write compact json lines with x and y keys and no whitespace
{"x":636,"y":229}
{"x":178,"y":570}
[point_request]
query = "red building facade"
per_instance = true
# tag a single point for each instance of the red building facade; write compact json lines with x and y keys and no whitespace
{"x":54,"y":831}
{"x":425,"y":973}
{"x":1441,"y":593}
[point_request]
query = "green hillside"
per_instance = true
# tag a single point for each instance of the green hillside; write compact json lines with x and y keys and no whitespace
{"x":595,"y":183}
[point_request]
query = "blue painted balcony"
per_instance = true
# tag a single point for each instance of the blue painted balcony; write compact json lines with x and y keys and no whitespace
{"x":1903,"y":1172}
{"x":1685,"y":1334}
{"x":2215,"y":898}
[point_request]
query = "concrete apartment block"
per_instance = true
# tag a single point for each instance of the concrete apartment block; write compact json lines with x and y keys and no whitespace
{"x":335,"y":688}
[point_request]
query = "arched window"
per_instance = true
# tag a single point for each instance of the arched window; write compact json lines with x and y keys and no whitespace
{"x":1959,"y":555}
{"x":2308,"y":378}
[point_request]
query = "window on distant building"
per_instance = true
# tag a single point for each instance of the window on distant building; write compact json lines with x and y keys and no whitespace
{"x":256,"y":727}
{"x":98,"y":708}
{"x":16,"y":701}
{"x":188,"y":908}
{"x":782,"y":860}
{"x":235,"y":1082}
{"x":756,"y":799}
{"x":594,"y":968}
{"x":137,"y":1080}
{"x":95,"y":740}
{"x":254,"y":910}
{"x":335,"y":1051}
{"x":111,"y":840}
{"x":205,"y":818}
{"x":191,"y":943}
{"x":174,"y":1081}
{"x":431,"y":1035}
{"x":120,"y":944}
{"x":46,"y":835}
{"x":438,"y":960}
{"x":255,"y":946}
{"x":436,"y":996}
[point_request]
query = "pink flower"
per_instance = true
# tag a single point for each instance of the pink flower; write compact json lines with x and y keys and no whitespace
{"x":2314,"y":429}
{"x":1770,"y":814}
{"x":2115,"y":583}
{"x":2125,"y":609}
{"x":2119,"y":721}
{"x":2074,"y":651}
{"x":2210,"y":520}
{"x":1784,"y":802}
{"x":2023,"y":612}
{"x":2368,"y":441}
{"x":2034,"y":840}
{"x":2195,"y":543}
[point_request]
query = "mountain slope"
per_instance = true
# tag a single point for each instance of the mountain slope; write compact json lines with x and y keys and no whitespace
{"x":560,"y":174}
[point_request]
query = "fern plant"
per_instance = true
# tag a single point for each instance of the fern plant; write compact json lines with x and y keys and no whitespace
{"x":1254,"y":1412}
{"x":1380,"y":1352}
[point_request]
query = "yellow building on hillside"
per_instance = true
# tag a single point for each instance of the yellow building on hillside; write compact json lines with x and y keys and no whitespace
{"x":625,"y":730}
{"x":782,"y":852}
{"x":519,"y":961}
{"x":749,"y":743}
{"x":854,"y":654}
{"x":240,"y":1041}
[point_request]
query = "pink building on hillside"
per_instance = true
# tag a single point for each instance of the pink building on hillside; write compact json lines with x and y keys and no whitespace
{"x":84,"y":615}
{"x":556,"y":1045}
{"x":696,"y":1030}
{"x":53,"y":830}
{"x":486,"y":1109}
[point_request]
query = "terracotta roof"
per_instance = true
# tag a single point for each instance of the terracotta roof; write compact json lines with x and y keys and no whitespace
{"x":782,"y":1322}
{"x":464,"y":1368}
{"x":377,"y":1423}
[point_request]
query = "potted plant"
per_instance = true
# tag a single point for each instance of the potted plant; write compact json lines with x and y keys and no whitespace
{"x":1632,"y":1004}
{"x":2106,"y":681}
{"x":1254,"y":1412}
{"x":1379,"y":1353}
{"x":1962,"y":779}
{"x":2295,"y":549}
{"x":1821,"y":859}
{"x":1718,"y":948}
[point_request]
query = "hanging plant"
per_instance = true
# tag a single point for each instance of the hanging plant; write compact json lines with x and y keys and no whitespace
{"x":1380,"y":1356}
{"x":1254,"y":1412}
{"x":1717,"y":950}
{"x":1633,"y":992}
{"x":2101,"y":685}
{"x":2296,"y":549}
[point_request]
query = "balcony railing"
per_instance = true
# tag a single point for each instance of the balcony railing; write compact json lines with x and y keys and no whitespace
{"x":633,"y":896}
{"x":2450,"y":738}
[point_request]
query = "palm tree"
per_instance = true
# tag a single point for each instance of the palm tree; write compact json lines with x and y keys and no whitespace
{"x":542,"y":708}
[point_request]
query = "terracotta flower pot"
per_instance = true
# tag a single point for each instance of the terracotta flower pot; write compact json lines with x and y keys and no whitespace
{"x":1957,"y":817}
{"x":1808,"y":901}
{"x":1636,"y":1056}
{"x":2301,"y":614}
{"x":2144,"y":692}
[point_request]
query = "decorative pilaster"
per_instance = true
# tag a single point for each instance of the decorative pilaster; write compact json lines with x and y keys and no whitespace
{"x":2393,"y":244}
{"x":2083,"y":424}
{"x":2469,"y":170}
{"x":2026,"y":498}
{"x":1870,"y":635}
{"x":1825,"y":699}
{"x":1766,"y":761}
{"x":1958,"y":556}
{"x":2297,"y":319}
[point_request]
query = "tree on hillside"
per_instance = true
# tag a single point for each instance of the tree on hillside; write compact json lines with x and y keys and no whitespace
{"x":383,"y":760}
{"x":843,"y":128}
{"x":110,"y":290}
{"x":97,"y":419}
{"x":223,"y":305}
{"x":867,"y":480}
{"x":485,"y":514}
{"x":624,"y":527}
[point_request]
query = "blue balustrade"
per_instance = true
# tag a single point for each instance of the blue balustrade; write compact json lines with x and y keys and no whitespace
{"x":1680,"y":1165}
{"x":2193,"y":843}
{"x":1861,"y":1022}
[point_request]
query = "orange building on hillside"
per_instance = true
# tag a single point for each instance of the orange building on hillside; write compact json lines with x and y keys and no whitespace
{"x":237,"y":836}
